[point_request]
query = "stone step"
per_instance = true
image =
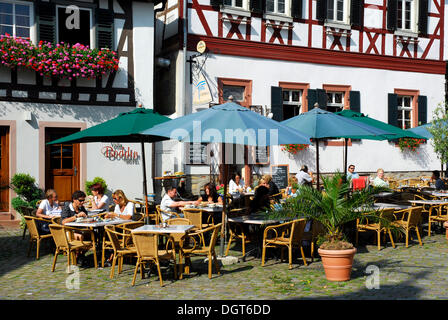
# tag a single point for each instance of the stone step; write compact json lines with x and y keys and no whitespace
{"x":10,"y":224}
{"x":6,"y":216}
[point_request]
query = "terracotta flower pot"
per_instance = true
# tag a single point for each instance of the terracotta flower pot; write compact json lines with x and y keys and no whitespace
{"x":337,"y":263}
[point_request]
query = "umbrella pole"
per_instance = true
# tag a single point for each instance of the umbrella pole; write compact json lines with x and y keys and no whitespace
{"x":224,"y":207}
{"x":317,"y":162}
{"x":345,"y":158}
{"x":145,"y":187}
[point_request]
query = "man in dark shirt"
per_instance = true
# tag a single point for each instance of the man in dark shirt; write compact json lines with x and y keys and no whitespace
{"x":440,"y":185}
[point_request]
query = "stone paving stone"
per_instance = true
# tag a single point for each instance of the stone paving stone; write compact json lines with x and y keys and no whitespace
{"x":417,"y":272}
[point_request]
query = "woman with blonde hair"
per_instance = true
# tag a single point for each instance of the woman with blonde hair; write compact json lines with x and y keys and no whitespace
{"x":273,"y":189}
{"x":124,"y":209}
{"x":379,"y":181}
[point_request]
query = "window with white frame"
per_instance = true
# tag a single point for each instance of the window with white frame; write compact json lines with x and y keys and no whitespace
{"x":405,"y":111}
{"x":337,"y":10}
{"x":335,"y":101}
{"x":15,"y":19}
{"x":292,"y":103}
{"x":278,"y":7}
{"x":406,"y":15}
{"x":240,"y":4}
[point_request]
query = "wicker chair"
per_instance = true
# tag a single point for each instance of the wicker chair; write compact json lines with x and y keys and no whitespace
{"x":27,"y":211}
{"x":378,"y":227}
{"x":68,"y":247}
{"x":159,"y":214}
{"x":436,"y":215}
{"x":197,"y":249}
{"x":236,"y":231}
{"x":35,"y":236}
{"x":119,"y":247}
{"x":291,"y":236}
{"x":410,"y":220}
{"x":147,"y":250}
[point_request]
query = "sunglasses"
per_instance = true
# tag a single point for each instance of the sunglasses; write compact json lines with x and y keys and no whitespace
{"x":115,"y":199}
{"x":81,"y":200}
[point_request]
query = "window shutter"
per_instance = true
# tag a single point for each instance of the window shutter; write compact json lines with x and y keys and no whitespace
{"x":296,"y":9}
{"x":321,"y":10}
{"x":46,"y":21}
{"x":105,"y":28}
{"x":257,"y":6}
{"x":422,"y":110}
{"x":392,"y":103}
{"x":423,"y":17}
{"x":355,"y":101}
{"x":357,"y":12}
{"x":277,"y":103}
{"x":392,"y":8}
{"x":216,"y":3}
{"x":312,"y":98}
{"x":322,"y":98}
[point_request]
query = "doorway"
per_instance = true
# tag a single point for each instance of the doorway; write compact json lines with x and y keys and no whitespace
{"x":4,"y":169}
{"x":61,"y":163}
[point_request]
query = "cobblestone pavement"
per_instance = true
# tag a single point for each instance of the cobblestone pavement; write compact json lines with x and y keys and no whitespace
{"x":405,"y":273}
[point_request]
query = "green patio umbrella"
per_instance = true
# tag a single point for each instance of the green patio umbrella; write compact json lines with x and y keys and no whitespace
{"x":321,"y":124}
{"x":397,"y":133}
{"x":126,"y":127}
{"x":228,"y":123}
{"x":422,"y":130}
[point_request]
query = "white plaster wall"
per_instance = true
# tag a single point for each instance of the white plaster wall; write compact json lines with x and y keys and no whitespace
{"x":118,"y":174}
{"x":373,"y":84}
{"x":143,"y":18}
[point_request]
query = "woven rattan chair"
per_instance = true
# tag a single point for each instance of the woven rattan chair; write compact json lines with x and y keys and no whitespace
{"x":169,"y":213}
{"x":27,"y":211}
{"x":120,"y":250}
{"x":437,"y":214}
{"x":289,"y":235}
{"x":410,"y":220}
{"x":178,"y":237}
{"x":236,"y":231}
{"x":35,"y":236}
{"x":69,"y":247}
{"x":197,"y":249}
{"x":147,"y":245}
{"x":378,"y":227}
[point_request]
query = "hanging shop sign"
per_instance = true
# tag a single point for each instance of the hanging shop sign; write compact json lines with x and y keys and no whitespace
{"x":116,"y":151}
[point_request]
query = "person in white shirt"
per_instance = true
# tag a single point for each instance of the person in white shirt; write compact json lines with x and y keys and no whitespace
{"x":236,"y":185}
{"x":124,"y":209}
{"x":49,"y":207}
{"x":379,"y":180}
{"x":169,"y":205}
{"x":303,"y":177}
{"x":100,"y":200}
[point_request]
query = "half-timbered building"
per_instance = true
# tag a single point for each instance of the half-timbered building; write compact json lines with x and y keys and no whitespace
{"x":384,"y":58}
{"x":35,"y":109}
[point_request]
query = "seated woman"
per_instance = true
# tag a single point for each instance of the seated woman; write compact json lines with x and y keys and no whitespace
{"x":48,"y":208}
{"x":273,"y":189}
{"x":124,"y":209}
{"x":261,"y":198}
{"x":74,"y":209}
{"x":379,"y":180}
{"x":100,"y":200}
{"x":210,"y":196}
{"x":292,"y":186}
{"x":236,"y":185}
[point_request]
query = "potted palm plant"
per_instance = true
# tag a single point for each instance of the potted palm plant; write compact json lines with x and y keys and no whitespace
{"x":334,"y":208}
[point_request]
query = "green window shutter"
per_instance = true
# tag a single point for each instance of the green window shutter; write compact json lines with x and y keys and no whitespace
{"x":312,"y":98}
{"x":277,"y":103}
{"x":392,"y":104}
{"x":355,"y":101}
{"x":257,"y":6}
{"x":321,"y":99}
{"x":105,"y":28}
{"x":392,"y":9}
{"x":423,"y":17}
{"x":216,"y":3}
{"x":357,"y":13}
{"x":422,"y":110}
{"x":296,"y":9}
{"x":46,"y":21}
{"x":321,"y":10}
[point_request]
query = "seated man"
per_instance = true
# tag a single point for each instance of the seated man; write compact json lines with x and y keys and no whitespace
{"x":168,"y":204}
{"x":440,"y":185}
{"x":351,"y":172}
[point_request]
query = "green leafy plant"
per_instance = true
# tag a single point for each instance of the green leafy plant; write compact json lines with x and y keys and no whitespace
{"x":333,"y":208}
{"x":439,"y":131}
{"x":25,"y":187}
{"x":95,"y":180}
